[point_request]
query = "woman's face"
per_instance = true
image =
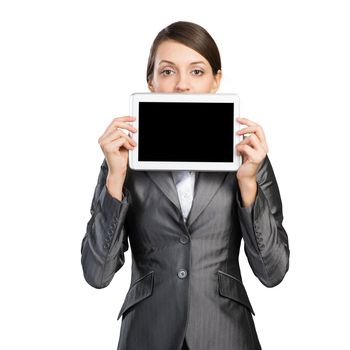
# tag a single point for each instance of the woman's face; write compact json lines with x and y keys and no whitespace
{"x":179,"y":68}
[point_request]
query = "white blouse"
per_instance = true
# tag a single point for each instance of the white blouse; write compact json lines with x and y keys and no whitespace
{"x":184,"y":181}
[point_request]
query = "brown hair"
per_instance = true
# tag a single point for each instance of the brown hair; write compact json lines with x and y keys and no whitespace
{"x":191,"y":35}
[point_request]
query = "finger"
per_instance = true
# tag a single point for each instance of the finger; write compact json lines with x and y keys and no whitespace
{"x":127,"y":137}
{"x":125,"y":144}
{"x":126,"y":118}
{"x":246,"y":121}
{"x":254,"y":141}
{"x":262,"y":145}
{"x":246,"y":140}
{"x":118,"y":126}
{"x":123,"y":125}
{"x":261,"y":136}
{"x":249,"y":152}
{"x":257,"y":146}
{"x":116,"y":134}
{"x":114,"y":123}
{"x":117,"y":144}
{"x":250,"y":129}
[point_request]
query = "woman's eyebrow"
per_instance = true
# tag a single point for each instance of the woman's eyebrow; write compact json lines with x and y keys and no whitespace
{"x":166,"y":61}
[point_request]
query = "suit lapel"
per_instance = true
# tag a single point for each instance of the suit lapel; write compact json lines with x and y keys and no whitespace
{"x":206,"y":185}
{"x":165,"y":182}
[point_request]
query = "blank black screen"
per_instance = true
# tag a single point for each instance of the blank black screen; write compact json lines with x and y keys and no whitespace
{"x":186,"y":131}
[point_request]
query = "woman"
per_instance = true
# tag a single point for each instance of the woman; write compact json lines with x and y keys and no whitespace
{"x":185,"y":229}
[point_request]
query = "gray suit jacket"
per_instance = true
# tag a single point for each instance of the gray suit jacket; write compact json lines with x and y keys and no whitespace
{"x":186,"y":278}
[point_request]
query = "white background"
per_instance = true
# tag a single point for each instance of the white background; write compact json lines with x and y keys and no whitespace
{"x":67,"y":69}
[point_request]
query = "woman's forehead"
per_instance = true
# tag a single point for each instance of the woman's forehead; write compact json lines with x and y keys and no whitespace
{"x":173,"y":52}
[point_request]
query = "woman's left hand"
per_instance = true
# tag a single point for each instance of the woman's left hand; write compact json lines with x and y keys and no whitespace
{"x":253,"y":149}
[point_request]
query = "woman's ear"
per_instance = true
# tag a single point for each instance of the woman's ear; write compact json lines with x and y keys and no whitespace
{"x":217,"y":80}
{"x":150,"y":86}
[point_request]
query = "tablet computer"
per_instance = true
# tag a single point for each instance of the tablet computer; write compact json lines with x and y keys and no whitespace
{"x":185,"y":131}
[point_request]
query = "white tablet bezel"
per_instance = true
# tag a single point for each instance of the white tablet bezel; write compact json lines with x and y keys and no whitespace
{"x":136,"y":98}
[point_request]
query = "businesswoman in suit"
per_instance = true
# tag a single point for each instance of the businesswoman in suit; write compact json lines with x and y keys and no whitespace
{"x":186,"y":289}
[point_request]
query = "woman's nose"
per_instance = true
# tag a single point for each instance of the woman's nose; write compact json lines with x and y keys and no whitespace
{"x":182,"y":84}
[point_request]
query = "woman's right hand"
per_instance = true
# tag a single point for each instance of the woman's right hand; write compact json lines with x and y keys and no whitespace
{"x":115,"y":145}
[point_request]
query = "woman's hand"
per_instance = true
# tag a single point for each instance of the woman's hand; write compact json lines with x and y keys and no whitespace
{"x":115,"y":145}
{"x":253,"y":149}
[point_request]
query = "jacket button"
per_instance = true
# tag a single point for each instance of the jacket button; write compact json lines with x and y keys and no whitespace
{"x":261,"y":245}
{"x":184,"y":239}
{"x":182,"y":273}
{"x":110,"y":232}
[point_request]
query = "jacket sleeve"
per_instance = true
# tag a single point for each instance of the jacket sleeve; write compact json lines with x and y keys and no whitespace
{"x":105,"y":240}
{"x":265,"y":240}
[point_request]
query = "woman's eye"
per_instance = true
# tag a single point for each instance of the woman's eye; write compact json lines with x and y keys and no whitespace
{"x":198,"y":71}
{"x":166,"y":71}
